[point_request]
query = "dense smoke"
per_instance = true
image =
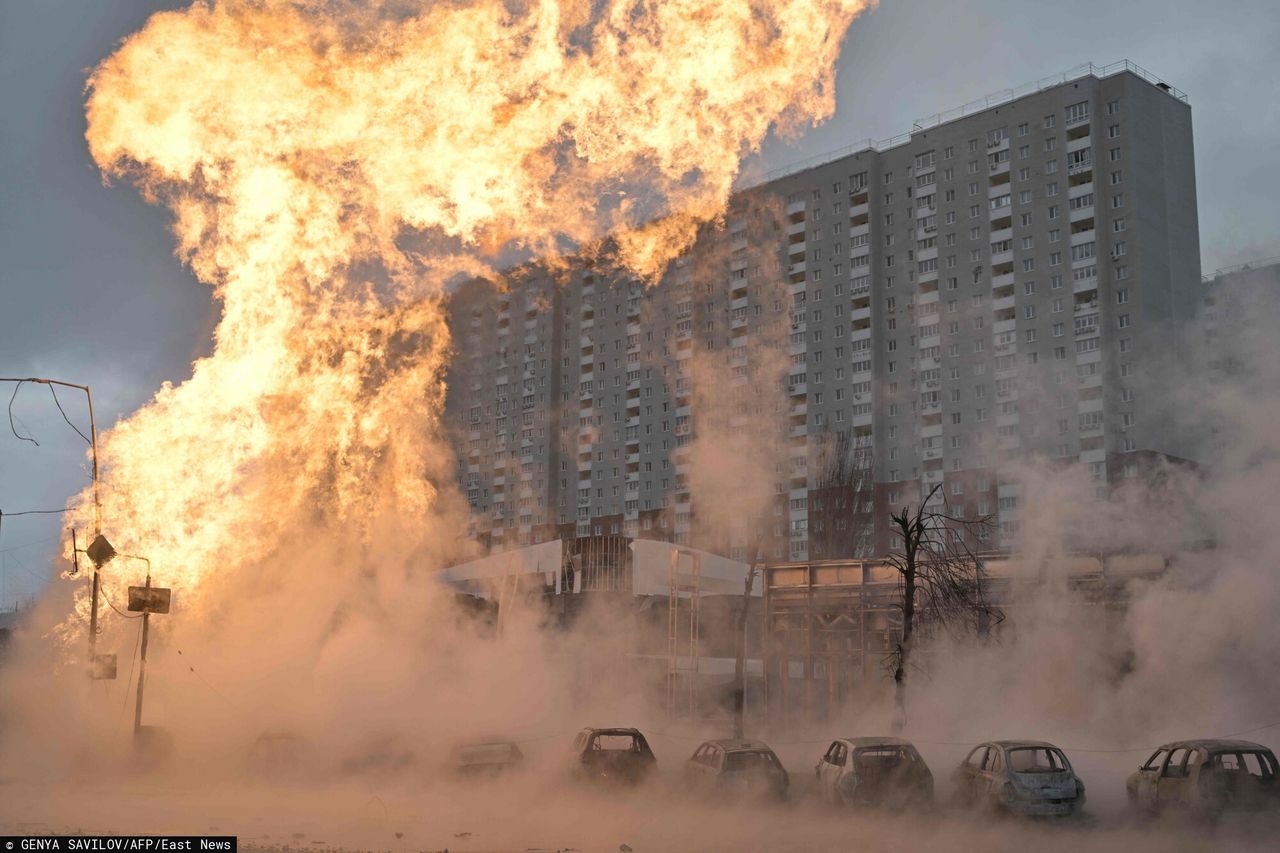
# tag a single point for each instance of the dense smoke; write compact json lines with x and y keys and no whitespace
{"x":331,"y":169}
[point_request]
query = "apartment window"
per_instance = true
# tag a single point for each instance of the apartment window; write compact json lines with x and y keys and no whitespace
{"x":1117,"y":177}
{"x":1117,"y":201}
{"x":1054,"y":235}
{"x":1059,"y":329}
{"x":1024,"y":174}
{"x":973,"y":188}
{"x":1113,"y":131}
{"x":1029,"y":312}
{"x":1024,"y":151}
{"x":1050,"y":121}
{"x":1125,"y":344}
{"x":1084,"y":251}
{"x":1122,"y":296}
{"x":1113,"y":155}
{"x":1078,"y":112}
{"x":1028,"y":264}
{"x":1126,"y":395}
{"x":1123,"y":321}
{"x":1053,"y":212}
{"x":1055,"y":282}
{"x":1051,"y":143}
{"x":1052,"y":189}
{"x":1050,"y":167}
{"x":1055,"y":258}
{"x":1024,"y":197}
{"x":1118,"y":224}
{"x":1113,"y":107}
{"x":1057,"y":303}
{"x":1120,"y":249}
{"x":1028,"y":288}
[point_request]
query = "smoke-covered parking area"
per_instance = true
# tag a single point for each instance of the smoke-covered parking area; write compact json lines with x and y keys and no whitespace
{"x":539,"y":811}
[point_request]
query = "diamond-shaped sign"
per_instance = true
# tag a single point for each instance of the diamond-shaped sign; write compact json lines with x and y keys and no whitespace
{"x":100,"y":551}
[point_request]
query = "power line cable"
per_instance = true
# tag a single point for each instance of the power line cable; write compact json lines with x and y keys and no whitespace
{"x":57,"y":403}
{"x":17,"y":388}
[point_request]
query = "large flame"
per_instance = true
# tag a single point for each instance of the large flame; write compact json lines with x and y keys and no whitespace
{"x":331,"y":166}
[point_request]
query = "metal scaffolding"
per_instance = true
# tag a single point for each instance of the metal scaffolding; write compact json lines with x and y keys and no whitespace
{"x":683,"y":629}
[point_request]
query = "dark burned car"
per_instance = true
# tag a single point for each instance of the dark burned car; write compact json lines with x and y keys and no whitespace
{"x":612,"y":755}
{"x":1020,"y":777}
{"x":1206,"y":778}
{"x":737,"y":768}
{"x":486,"y":759}
{"x":874,"y":771}
{"x":277,"y":755}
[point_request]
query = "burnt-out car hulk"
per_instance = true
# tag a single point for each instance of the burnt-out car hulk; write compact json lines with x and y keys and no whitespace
{"x":1205,"y":779}
{"x":1020,"y":777}
{"x":874,"y":771}
{"x":612,"y":755}
{"x":737,"y":768}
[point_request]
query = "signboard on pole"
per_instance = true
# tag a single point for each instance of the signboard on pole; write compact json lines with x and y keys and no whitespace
{"x":149,"y":599}
{"x":102,"y":667}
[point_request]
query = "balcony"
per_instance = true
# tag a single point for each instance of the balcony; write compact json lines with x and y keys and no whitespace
{"x":1002,"y":280}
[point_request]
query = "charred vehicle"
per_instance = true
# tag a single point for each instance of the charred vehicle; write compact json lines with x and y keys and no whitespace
{"x":1206,"y":778}
{"x":737,"y":767}
{"x":486,"y":759}
{"x":874,"y":771}
{"x":1020,"y":777}
{"x":278,"y":755}
{"x":612,"y":755}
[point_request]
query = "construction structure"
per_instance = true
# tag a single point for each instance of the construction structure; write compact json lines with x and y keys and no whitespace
{"x":677,"y":607}
{"x":831,"y":626}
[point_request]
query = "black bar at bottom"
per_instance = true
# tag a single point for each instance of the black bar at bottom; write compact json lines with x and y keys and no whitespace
{"x":118,"y":843}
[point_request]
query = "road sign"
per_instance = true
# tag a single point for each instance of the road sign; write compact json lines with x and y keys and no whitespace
{"x":103,"y":667}
{"x":100,"y":551}
{"x":148,"y":599}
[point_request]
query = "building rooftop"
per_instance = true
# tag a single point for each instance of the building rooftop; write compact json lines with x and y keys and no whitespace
{"x":995,"y":99}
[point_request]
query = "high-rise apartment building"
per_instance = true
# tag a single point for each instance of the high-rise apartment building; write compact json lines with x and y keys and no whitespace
{"x":1000,"y":283}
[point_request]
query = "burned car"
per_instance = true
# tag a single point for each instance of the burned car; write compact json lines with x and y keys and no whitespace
{"x":486,"y":759}
{"x":737,"y":768}
{"x":1020,"y":777}
{"x":1206,"y":778}
{"x":278,"y":755}
{"x":874,"y":771}
{"x":612,"y":755}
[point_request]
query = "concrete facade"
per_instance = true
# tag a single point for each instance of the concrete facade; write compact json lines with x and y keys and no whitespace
{"x":998,"y":283}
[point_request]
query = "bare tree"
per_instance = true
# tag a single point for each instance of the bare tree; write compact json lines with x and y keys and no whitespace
{"x":941,"y":579}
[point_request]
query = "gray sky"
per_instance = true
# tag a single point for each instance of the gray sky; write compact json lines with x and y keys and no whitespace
{"x":90,"y":291}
